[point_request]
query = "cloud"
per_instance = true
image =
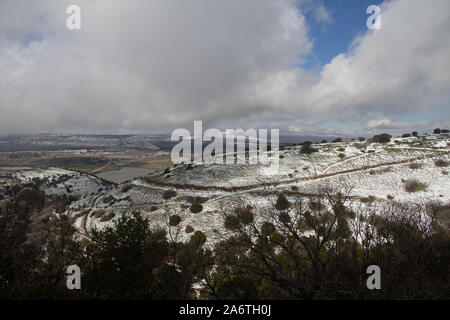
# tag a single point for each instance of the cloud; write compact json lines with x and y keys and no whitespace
{"x":140,"y":65}
{"x":323,"y":15}
{"x":395,"y":71}
{"x":386,"y":124}
{"x":147,"y":66}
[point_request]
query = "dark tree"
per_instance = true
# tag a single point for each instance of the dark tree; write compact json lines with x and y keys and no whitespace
{"x":382,"y":138}
{"x":282,"y":203}
{"x":321,"y":250}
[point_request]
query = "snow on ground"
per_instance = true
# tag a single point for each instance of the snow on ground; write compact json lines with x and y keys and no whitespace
{"x":58,"y":181}
{"x":372,"y":169}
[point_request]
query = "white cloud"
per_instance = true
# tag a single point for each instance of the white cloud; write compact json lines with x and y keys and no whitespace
{"x":385,"y":124}
{"x":151,"y":65}
{"x":323,"y":15}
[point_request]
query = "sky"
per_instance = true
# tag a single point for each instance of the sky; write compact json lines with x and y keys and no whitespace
{"x":309,"y":67}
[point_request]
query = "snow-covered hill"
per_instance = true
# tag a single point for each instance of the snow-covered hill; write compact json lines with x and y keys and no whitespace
{"x":374,"y":171}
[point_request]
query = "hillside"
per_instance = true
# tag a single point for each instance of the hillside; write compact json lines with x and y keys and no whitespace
{"x":374,"y":173}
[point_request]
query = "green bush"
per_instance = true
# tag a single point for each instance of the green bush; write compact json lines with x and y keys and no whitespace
{"x":382,"y":138}
{"x":282,"y":203}
{"x":174,"y":220}
{"x":267,"y":229}
{"x":232,"y":222}
{"x":244,"y":214}
{"x":196,"y":207}
{"x":198,"y":239}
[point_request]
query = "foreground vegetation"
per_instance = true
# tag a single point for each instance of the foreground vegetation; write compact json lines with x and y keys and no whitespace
{"x":313,"y":248}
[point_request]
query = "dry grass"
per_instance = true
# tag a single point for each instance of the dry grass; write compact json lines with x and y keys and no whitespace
{"x":98,"y":213}
{"x":414,"y":185}
{"x":441,"y":163}
{"x":158,"y":164}
{"x":415,"y":165}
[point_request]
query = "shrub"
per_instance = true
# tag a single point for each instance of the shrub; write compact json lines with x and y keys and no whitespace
{"x":169,"y":194}
{"x":294,"y":188}
{"x":193,"y":200}
{"x":390,"y":197}
{"x":284,"y":217}
{"x":316,"y":205}
{"x":415,"y":133}
{"x":441,"y":163}
{"x":108,"y":217}
{"x":437,"y":131}
{"x":282,"y":203}
{"x":361,"y":139}
{"x":232,"y":222}
{"x":324,"y":141}
{"x":415,"y":165}
{"x":307,"y":148}
{"x":382,"y":138}
{"x":189,"y":229}
{"x":174,"y":220}
{"x":267,"y":229}
{"x":341,"y":155}
{"x":198,"y":239}
{"x":360,"y":146}
{"x":406,"y":135}
{"x":126,"y":188}
{"x":445,"y":172}
{"x":244,"y":214}
{"x":153,"y":208}
{"x":445,"y":131}
{"x":109,"y":199}
{"x":368,"y":199}
{"x":196,"y":207}
{"x":337,"y":140}
{"x":414,"y":185}
{"x":98,"y":213}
